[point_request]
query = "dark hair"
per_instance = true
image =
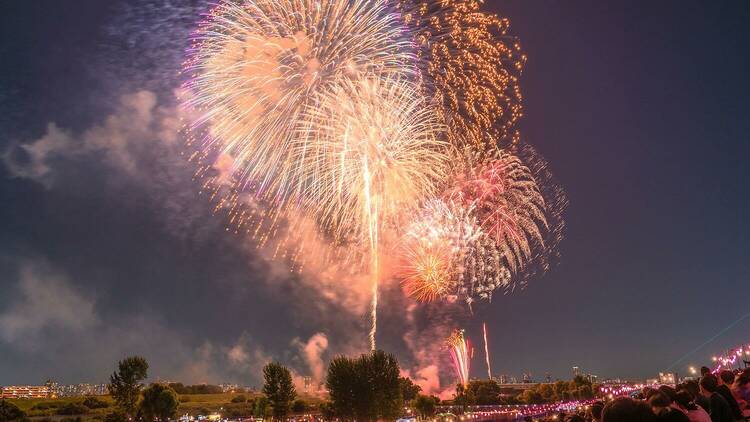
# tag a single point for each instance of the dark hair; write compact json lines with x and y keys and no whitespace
{"x":659,"y":400}
{"x":574,"y":418}
{"x":668,"y":391}
{"x":596,"y":409}
{"x":710,"y":383}
{"x":683,"y":399}
{"x":705,"y":370}
{"x":692,"y":388}
{"x":727,"y":376}
{"x":743,"y":377}
{"x":625,"y":409}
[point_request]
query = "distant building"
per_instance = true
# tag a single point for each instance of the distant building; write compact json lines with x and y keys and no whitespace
{"x":78,"y":390}
{"x":307,"y":384}
{"x":668,"y":378}
{"x":26,"y":392}
{"x":230,"y":388}
{"x":576,"y":371}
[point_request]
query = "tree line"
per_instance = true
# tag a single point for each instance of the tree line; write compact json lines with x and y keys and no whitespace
{"x":364,"y":388}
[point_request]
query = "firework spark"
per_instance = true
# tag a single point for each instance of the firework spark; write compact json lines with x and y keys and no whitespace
{"x":458,"y":346}
{"x":256,"y":68}
{"x":473,"y":67}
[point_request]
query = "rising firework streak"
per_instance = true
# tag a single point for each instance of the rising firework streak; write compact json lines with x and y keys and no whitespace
{"x":458,"y":346}
{"x":486,"y":350}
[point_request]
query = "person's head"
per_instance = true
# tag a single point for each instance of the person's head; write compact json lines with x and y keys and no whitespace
{"x":668,"y":391}
{"x":726,"y":377}
{"x":742,"y":379}
{"x":709,"y":384}
{"x":692,"y":388}
{"x":646,"y":391}
{"x":625,"y":409}
{"x":574,"y":418}
{"x":659,"y":402}
{"x":705,"y":371}
{"x":683,"y":399}
{"x":596,"y":410}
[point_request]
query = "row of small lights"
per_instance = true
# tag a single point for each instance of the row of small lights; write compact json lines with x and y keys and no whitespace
{"x":525,"y":409}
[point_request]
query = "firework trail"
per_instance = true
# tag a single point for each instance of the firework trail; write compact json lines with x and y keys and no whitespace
{"x":312,"y":108}
{"x":486,"y":350}
{"x":458,"y":346}
{"x":375,"y":155}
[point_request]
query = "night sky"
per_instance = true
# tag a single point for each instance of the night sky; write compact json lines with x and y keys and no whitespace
{"x":106,"y":248}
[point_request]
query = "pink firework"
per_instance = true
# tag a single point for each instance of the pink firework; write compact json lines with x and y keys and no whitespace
{"x":507,"y":203}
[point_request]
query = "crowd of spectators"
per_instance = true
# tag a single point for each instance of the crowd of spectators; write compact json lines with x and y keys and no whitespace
{"x":716,"y":397}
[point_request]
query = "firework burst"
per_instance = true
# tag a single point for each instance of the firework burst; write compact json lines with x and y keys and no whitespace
{"x":472,"y":66}
{"x":256,"y":67}
{"x":446,"y":254}
{"x":507,"y":202}
{"x":312,"y":109}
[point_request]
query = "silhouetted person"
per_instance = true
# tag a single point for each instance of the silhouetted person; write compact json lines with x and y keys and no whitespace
{"x":695,"y":413}
{"x":693,"y":388}
{"x":661,"y":405}
{"x":726,"y":379}
{"x":741,"y":387}
{"x":705,"y":371}
{"x":720,"y":411}
{"x":625,"y":409}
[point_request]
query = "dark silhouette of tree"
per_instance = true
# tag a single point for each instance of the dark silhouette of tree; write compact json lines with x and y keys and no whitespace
{"x":278,"y":388}
{"x":261,"y":407}
{"x":425,"y":405}
{"x":409,"y":390}
{"x":366,"y":388}
{"x":9,"y":412}
{"x":159,"y":403}
{"x":326,"y":411}
{"x":125,"y":384}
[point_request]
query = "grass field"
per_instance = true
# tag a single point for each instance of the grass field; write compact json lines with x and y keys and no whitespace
{"x":193,"y":404}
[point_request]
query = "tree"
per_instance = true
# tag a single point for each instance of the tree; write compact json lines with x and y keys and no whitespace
{"x":125,"y":383}
{"x":278,"y":388}
{"x":326,"y":411}
{"x":9,"y":412}
{"x":94,"y":403}
{"x":409,"y":390}
{"x":485,"y":392}
{"x":239,"y":399}
{"x":261,"y":407}
{"x":425,"y":405}
{"x":365,"y":388}
{"x":159,"y":403}
{"x":342,"y":384}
